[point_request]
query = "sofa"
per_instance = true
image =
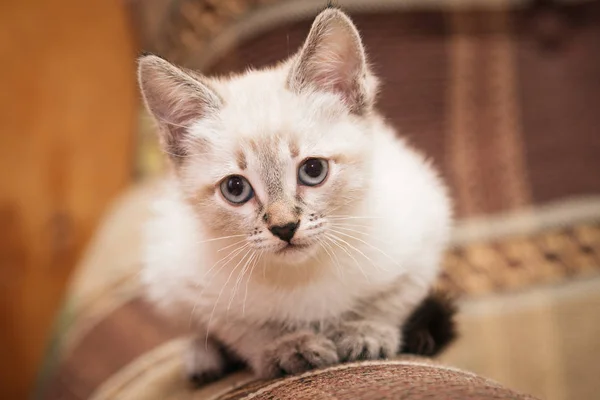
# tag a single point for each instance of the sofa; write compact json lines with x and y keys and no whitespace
{"x":503,"y":96}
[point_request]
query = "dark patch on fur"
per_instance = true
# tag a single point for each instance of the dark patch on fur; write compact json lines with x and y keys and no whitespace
{"x":145,"y":53}
{"x":300,"y":200}
{"x":197,"y":380}
{"x":234,"y":362}
{"x":431,"y":327}
{"x":241,"y":160}
{"x":332,"y":4}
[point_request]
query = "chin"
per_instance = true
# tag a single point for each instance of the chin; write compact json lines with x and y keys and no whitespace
{"x":296,"y":253}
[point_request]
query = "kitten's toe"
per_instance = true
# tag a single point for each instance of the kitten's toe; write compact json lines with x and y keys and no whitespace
{"x":308,"y":352}
{"x":296,"y":353}
{"x":364,"y":340}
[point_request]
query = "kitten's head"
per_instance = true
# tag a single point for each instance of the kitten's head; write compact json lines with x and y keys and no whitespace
{"x":271,"y":156}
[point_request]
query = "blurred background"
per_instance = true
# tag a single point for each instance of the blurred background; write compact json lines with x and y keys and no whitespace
{"x":503,"y":95}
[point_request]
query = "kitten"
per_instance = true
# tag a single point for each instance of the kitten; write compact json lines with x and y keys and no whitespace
{"x":296,"y":230}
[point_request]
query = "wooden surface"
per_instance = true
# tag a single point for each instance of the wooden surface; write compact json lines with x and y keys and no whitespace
{"x":67,"y":117}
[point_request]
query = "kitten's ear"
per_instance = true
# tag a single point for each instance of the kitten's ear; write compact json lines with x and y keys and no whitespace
{"x":333,"y":59}
{"x":176,"y":99}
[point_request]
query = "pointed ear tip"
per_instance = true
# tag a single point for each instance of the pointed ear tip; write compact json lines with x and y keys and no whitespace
{"x":333,"y":12}
{"x":335,"y":17}
{"x":144,"y":61}
{"x":147,"y":59}
{"x":148,"y":63}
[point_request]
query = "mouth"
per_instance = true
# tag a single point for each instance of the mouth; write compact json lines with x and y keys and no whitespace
{"x":290,"y":247}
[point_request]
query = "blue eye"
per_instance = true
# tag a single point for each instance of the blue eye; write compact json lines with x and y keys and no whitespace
{"x":236,"y":189}
{"x":313,"y":171}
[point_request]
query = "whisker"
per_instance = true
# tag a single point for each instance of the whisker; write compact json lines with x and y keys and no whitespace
{"x":347,"y":217}
{"x":219,"y":238}
{"x":191,"y":320}
{"x":248,"y":281}
{"x":239,"y":279}
{"x":231,"y":255}
{"x":221,"y":293}
{"x":368,"y":244}
{"x":228,"y":258}
{"x":350,"y":224}
{"x":349,"y":245}
{"x":335,"y":260}
{"x":231,"y":245}
{"x":362,"y":233}
{"x":335,"y":240}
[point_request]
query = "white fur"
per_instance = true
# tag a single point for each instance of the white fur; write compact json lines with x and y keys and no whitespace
{"x":394,"y":210}
{"x":407,"y":205}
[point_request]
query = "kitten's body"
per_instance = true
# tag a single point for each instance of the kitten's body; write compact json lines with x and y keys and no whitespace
{"x":369,"y":238}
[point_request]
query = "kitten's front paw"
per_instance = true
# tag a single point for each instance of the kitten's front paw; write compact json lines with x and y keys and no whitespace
{"x":295,"y":353}
{"x":204,"y":362}
{"x":365,"y":340}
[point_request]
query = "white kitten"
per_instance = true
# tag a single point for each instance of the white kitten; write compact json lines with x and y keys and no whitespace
{"x":296,"y":230}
